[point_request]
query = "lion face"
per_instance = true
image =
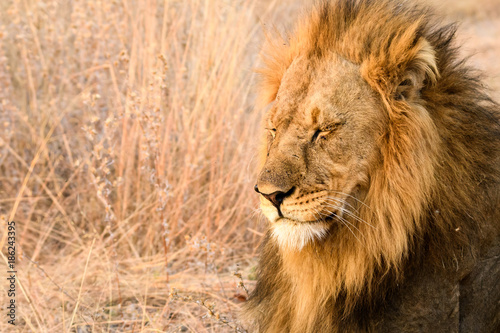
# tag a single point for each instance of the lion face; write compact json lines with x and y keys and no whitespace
{"x":323,"y":138}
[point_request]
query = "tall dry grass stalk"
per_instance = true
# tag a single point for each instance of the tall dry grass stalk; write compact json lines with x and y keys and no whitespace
{"x":128,"y":125}
{"x":126,"y":159}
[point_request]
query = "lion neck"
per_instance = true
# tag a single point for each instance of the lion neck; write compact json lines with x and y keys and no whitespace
{"x":333,"y":272}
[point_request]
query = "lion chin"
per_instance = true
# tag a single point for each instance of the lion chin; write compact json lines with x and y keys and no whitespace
{"x":293,"y":235}
{"x":380,"y":178}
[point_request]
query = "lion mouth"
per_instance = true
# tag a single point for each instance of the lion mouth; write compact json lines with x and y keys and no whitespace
{"x":331,"y":216}
{"x":316,"y":215}
{"x":294,"y":221}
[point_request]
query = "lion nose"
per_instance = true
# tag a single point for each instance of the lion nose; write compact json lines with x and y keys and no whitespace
{"x":276,"y":198}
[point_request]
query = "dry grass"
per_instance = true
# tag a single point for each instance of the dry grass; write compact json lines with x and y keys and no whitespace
{"x":127,"y":143}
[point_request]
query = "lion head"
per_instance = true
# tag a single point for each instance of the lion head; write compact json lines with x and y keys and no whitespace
{"x":376,"y":141}
{"x":348,"y":135}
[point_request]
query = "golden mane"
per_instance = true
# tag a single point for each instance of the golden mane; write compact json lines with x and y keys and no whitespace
{"x":434,"y":200}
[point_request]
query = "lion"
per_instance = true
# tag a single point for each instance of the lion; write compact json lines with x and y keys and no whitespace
{"x":380,"y":178}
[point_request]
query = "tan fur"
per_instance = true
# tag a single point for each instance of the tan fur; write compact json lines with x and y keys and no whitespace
{"x":378,"y":87}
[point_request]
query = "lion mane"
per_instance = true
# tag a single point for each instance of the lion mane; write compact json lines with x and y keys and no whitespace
{"x":422,"y":250}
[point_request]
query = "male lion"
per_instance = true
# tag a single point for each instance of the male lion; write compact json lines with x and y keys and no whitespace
{"x":380,"y":178}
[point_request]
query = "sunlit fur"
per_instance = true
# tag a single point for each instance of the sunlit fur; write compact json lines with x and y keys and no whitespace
{"x":428,"y":186}
{"x":295,"y":236}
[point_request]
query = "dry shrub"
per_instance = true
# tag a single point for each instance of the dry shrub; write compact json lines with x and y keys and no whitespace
{"x":127,"y":126}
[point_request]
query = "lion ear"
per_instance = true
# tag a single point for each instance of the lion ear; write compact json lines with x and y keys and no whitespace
{"x":402,"y":72}
{"x":420,"y":71}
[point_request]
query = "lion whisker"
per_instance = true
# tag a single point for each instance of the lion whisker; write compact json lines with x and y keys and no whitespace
{"x":316,"y":212}
{"x":351,"y":196}
{"x":351,"y":214}
{"x":257,"y":213}
{"x":346,"y":223}
{"x":342,"y":202}
{"x":359,"y":219}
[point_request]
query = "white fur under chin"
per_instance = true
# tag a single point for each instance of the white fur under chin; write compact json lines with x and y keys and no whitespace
{"x":296,"y":235}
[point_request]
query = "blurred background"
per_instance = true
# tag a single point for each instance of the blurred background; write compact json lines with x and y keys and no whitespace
{"x":128,"y":139}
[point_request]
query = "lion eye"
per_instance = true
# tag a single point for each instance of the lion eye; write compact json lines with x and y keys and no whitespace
{"x":321,"y":133}
{"x":316,"y":135}
{"x":272,"y":131}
